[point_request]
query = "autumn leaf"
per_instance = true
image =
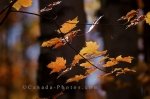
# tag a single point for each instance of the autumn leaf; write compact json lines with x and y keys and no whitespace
{"x":117,"y":69}
{"x":120,"y":71}
{"x":103,"y":59}
{"x":86,"y":65}
{"x":147,"y":18}
{"x":76,"y":60}
{"x":58,"y":65}
{"x":56,"y":42}
{"x":129,"y":15}
{"x":124,"y":59}
{"x":110,"y":63}
{"x":90,"y":71}
{"x":68,"y":26}
{"x":115,"y":61}
{"x":134,"y":17}
{"x":76,"y":78}
{"x":22,"y":3}
{"x":100,"y":53}
{"x":128,"y":70}
{"x":136,"y":21}
{"x":91,"y":48}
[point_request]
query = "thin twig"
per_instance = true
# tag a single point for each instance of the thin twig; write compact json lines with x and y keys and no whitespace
{"x":62,"y":36}
{"x":47,"y":18}
{"x":8,"y":12}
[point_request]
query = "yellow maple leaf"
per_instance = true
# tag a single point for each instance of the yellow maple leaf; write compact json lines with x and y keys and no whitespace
{"x":124,"y":59}
{"x":58,"y":65}
{"x":76,"y":78}
{"x":147,"y":18}
{"x":86,"y":65}
{"x":22,"y":3}
{"x":68,"y":26}
{"x":91,"y":48}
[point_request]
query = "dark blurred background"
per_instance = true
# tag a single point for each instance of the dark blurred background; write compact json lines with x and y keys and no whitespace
{"x":23,"y":62}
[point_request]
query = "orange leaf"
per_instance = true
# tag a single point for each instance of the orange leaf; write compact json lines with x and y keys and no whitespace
{"x":124,"y":59}
{"x":110,"y":63}
{"x":103,"y":59}
{"x":58,"y":65}
{"x":147,"y":18}
{"x":115,"y":61}
{"x":90,"y":71}
{"x":56,"y":42}
{"x":76,"y":60}
{"x":128,"y":70}
{"x":120,"y":71}
{"x":22,"y":3}
{"x":76,"y":78}
{"x":86,"y":65}
{"x":68,"y":26}
{"x":91,"y":48}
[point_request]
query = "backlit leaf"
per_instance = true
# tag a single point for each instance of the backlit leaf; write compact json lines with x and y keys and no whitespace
{"x":22,"y":3}
{"x":124,"y":59}
{"x":68,"y":26}
{"x":147,"y":18}
{"x":110,"y":63}
{"x":86,"y":65}
{"x":76,"y":78}
{"x":115,"y":61}
{"x":91,"y":48}
{"x":76,"y":60}
{"x":58,"y":42}
{"x":57,"y":65}
{"x":90,"y":71}
{"x":55,"y":42}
